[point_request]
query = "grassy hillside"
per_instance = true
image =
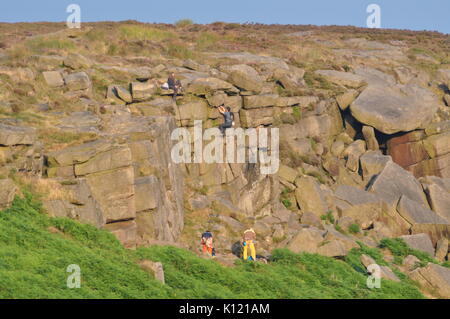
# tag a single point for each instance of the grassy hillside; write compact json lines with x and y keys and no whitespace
{"x":35,"y":251}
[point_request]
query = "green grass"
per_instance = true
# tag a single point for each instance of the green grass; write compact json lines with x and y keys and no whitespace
{"x":41,"y":45}
{"x":400,"y":250}
{"x":33,"y":263}
{"x":354,"y":229}
{"x":143,"y":32}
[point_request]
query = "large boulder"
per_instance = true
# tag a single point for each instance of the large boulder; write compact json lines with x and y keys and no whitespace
{"x":394,"y":182}
{"x":245,"y":77}
{"x":363,"y":207}
{"x":78,"y":154}
{"x":114,"y":191}
{"x":53,"y":78}
{"x":420,"y":242}
{"x":256,"y":117}
{"x":434,"y":278}
{"x":16,"y":135}
{"x":342,"y":78}
{"x":309,"y":196}
{"x":188,"y":112}
{"x":258,"y":101}
{"x":439,"y":199}
{"x":77,"y":61}
{"x":142,"y":91}
{"x":125,"y":232}
{"x":77,"y":81}
{"x":422,"y":219}
{"x":207,"y":85}
{"x":306,"y":240}
{"x":372,"y":163}
{"x":112,"y":159}
{"x":390,"y":107}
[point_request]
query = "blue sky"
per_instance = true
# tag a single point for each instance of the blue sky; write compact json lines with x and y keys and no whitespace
{"x":399,"y":14}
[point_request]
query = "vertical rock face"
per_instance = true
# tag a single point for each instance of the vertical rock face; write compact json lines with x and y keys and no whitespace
{"x":130,"y":187}
{"x":423,"y":152}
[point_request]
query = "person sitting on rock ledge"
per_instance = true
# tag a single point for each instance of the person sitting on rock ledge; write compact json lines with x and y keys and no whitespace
{"x":228,"y":117}
{"x":174,"y":85}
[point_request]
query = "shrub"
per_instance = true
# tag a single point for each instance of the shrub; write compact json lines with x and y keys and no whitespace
{"x":184,"y":23}
{"x":354,"y":229}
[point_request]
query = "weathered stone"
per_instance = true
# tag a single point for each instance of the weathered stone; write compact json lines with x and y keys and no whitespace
{"x":302,"y":101}
{"x":125,"y":232}
{"x":437,"y":128}
{"x":78,"y":154}
{"x":123,"y":94}
{"x":311,"y":219}
{"x":188,"y":112}
{"x":207,"y":85}
{"x":53,"y":78}
{"x":114,"y":191}
{"x":372,"y":163}
{"x":393,"y":182}
{"x":16,"y":135}
{"x":259,"y":101}
{"x":352,"y":153}
{"x":391,"y":110}
{"x":363,"y":207}
{"x":439,"y":200}
{"x":342,"y":78}
{"x":434,"y":278}
{"x":155,"y":268}
{"x":306,"y":240}
{"x":142,"y":91}
{"x":256,"y":117}
{"x":447,"y":99}
{"x":344,"y":100}
{"x":437,"y":145}
{"x":420,"y":242}
{"x":411,"y":262}
{"x":370,"y":138}
{"x":7,"y":192}
{"x":408,"y":149}
{"x":309,"y":196}
{"x":287,"y":173}
{"x":77,"y":81}
{"x":115,"y":158}
{"x":422,"y":219}
{"x":441,"y":249}
{"x":145,"y":194}
{"x":77,"y":61}
{"x":245,"y":78}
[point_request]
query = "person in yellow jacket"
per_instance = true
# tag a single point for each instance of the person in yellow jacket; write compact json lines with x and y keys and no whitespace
{"x":247,"y":242}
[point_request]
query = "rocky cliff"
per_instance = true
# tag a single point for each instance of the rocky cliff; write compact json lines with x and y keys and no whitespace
{"x":364,"y":127}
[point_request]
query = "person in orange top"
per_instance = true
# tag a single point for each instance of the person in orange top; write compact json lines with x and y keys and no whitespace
{"x":247,"y":242}
{"x":207,"y":243}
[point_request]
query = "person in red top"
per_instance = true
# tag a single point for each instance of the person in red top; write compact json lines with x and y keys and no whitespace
{"x":207,"y":243}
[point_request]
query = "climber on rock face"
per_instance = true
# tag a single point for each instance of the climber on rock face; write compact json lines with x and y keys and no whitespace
{"x":247,"y":242}
{"x":228,"y":118}
{"x":207,"y":243}
{"x":174,"y":85}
